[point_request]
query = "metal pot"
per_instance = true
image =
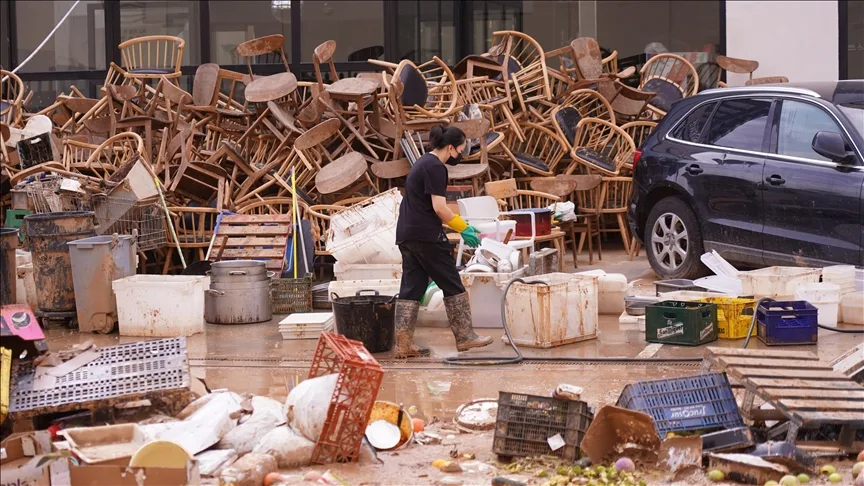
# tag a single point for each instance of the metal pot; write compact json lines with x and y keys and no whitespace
{"x":238,"y":303}
{"x":239,"y":276}
{"x":250,"y":267}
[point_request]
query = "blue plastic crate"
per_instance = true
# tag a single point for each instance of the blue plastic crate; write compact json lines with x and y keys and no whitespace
{"x":700,"y":402}
{"x":782,"y":323}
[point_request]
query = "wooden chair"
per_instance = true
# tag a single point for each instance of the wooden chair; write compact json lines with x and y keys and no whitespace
{"x":477,"y":132}
{"x":670,"y":76}
{"x":152,"y":57}
{"x":273,"y":205}
{"x":616,"y":195}
{"x":539,"y":154}
{"x":639,"y":131}
{"x":577,"y":106}
{"x":390,"y":171}
{"x":11,"y":99}
{"x":524,"y":64}
{"x":737,"y":66}
{"x":102,"y":160}
{"x":600,"y":146}
{"x":489,"y":96}
{"x":319,"y":222}
{"x":591,"y":68}
{"x":576,"y":188}
{"x":264,"y":50}
{"x":194,"y":227}
{"x":767,"y":80}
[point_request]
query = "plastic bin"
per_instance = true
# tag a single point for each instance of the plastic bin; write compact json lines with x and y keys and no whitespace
{"x":367,"y":271}
{"x":613,"y":288}
{"x":662,"y":286}
{"x":853,"y":308}
{"x":734,"y":316}
{"x":561,"y":312}
{"x":777,"y":282}
{"x":374,"y":244}
{"x":702,"y":402}
{"x":485,"y":291}
{"x":380,"y":210}
{"x":96,"y":262}
{"x":787,"y":322}
{"x":685,"y":323}
{"x":160,"y":305}
{"x":825,"y":297}
{"x":841,"y":275}
{"x":8,"y":244}
{"x":526,"y":422}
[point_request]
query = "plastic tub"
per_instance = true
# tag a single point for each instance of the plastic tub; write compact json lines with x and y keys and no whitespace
{"x":375,"y":244}
{"x":96,"y":262}
{"x":663,"y":286}
{"x":562,"y":312}
{"x":823,"y":296}
{"x":613,"y":288}
{"x":382,"y":209}
{"x":485,"y":291}
{"x":777,"y":282}
{"x":367,"y":271}
{"x":160,"y":305}
{"x":852,"y":305}
{"x":367,"y":317}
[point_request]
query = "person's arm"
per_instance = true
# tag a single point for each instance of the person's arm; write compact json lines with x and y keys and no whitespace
{"x":439,"y":204}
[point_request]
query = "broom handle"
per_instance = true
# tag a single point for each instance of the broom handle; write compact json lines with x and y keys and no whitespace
{"x":170,"y":222}
{"x":293,"y":230}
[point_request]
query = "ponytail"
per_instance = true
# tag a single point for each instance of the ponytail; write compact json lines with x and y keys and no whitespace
{"x":440,"y":137}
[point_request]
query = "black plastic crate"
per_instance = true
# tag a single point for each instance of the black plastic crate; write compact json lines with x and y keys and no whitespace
{"x":684,"y":323}
{"x":526,"y":422}
{"x":701,"y":402}
{"x":788,"y":322}
{"x":290,"y":295}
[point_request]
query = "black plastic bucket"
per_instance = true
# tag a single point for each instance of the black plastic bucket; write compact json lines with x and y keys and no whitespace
{"x":369,"y":319}
{"x":8,"y":243}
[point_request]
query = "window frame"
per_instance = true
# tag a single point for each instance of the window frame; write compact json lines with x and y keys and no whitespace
{"x":775,"y":134}
{"x":772,"y":103}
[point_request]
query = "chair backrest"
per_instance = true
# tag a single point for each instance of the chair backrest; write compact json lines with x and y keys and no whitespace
{"x":502,"y":189}
{"x":738,"y":66}
{"x":639,"y":131}
{"x":674,"y":69}
{"x":205,"y":85}
{"x":478,"y":208}
{"x":589,"y":59}
{"x":324,"y":54}
{"x":153,"y":55}
{"x":11,"y":95}
{"x":414,"y":88}
{"x":264,"y":50}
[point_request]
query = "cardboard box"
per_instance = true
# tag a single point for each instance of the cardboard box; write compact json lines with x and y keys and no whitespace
{"x":119,"y":475}
{"x":18,"y":462}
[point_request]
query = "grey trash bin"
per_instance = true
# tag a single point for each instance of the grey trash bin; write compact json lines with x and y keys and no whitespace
{"x":96,"y":262}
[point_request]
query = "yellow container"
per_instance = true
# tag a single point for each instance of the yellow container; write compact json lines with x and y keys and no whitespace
{"x":734,"y":316}
{"x":5,"y":380}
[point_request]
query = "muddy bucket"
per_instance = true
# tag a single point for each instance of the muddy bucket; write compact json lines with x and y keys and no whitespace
{"x":47,"y":238}
{"x":369,"y":319}
{"x":8,"y":243}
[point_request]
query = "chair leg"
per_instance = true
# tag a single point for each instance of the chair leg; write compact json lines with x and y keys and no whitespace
{"x":573,"y":247}
{"x":590,"y":243}
{"x":168,"y":260}
{"x":599,"y":240}
{"x":625,"y":233}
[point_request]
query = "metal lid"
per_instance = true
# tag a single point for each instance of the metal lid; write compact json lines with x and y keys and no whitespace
{"x":383,"y":435}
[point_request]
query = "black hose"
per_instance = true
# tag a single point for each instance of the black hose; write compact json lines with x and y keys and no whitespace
{"x":837,"y":329}
{"x":503,"y":360}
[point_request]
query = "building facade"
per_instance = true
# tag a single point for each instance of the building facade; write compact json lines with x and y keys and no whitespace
{"x":803,"y":40}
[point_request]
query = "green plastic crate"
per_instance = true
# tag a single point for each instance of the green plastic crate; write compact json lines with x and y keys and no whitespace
{"x":15,"y":218}
{"x":684,"y":323}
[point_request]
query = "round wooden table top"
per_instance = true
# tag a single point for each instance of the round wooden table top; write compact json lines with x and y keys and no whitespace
{"x":269,"y":88}
{"x":352,"y":87}
{"x":340,"y":173}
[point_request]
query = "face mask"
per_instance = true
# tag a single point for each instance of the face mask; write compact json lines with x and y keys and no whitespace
{"x":454,"y":161}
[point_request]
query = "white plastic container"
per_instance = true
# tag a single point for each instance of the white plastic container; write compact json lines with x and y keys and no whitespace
{"x":564,"y":311}
{"x":25,"y":274}
{"x":485,"y":291}
{"x":374,"y":244}
{"x":852,"y":305}
{"x":841,"y":275}
{"x":825,"y":297}
{"x":859,"y":279}
{"x":381,"y":210}
{"x":613,"y":288}
{"x":689,"y":295}
{"x":160,"y":305}
{"x":367,"y":271}
{"x":777,"y":282}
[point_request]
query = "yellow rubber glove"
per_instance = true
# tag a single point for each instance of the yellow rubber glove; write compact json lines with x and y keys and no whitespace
{"x":457,"y":224}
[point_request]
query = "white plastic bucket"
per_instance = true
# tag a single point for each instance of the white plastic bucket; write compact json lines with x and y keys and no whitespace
{"x":825,"y":297}
{"x":852,"y":308}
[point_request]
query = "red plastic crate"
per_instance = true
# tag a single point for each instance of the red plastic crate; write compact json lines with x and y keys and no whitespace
{"x":357,"y":387}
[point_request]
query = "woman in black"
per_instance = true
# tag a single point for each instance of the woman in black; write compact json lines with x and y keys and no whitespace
{"x":426,"y":252}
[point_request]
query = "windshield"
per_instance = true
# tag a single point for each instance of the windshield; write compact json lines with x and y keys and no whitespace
{"x":855,"y":114}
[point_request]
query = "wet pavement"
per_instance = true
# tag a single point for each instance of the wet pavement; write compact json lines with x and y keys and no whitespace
{"x":253,"y":358}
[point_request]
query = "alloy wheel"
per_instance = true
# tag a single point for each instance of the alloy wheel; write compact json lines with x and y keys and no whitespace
{"x":669,"y":241}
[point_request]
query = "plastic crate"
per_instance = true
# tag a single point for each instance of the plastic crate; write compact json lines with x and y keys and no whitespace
{"x":677,"y":322}
{"x":290,"y":295}
{"x":663,"y":286}
{"x":734,"y":316}
{"x":787,"y":322}
{"x":702,"y":402}
{"x":360,"y":377}
{"x":526,"y":422}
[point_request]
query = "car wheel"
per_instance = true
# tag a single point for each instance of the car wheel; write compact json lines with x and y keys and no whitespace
{"x":673,"y":240}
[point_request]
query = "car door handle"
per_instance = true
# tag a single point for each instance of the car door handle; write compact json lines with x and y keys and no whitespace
{"x":694,"y":169}
{"x":775,"y":180}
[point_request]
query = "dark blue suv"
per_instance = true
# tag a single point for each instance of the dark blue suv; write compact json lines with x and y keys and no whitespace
{"x":765,"y":175}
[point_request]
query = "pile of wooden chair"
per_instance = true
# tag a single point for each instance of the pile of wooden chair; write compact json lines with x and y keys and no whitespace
{"x":563,"y":124}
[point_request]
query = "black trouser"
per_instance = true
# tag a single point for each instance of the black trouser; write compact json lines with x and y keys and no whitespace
{"x":422,"y":261}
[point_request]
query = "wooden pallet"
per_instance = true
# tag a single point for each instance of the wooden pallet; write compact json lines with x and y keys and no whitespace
{"x":802,"y":389}
{"x":253,"y":237}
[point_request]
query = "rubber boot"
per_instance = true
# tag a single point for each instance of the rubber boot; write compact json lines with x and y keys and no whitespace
{"x":459,"y":314}
{"x":406,"y":321}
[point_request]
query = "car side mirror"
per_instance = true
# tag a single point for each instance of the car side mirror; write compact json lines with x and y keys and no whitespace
{"x":832,"y":146}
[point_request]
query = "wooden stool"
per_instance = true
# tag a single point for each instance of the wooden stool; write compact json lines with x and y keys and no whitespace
{"x":342,"y":175}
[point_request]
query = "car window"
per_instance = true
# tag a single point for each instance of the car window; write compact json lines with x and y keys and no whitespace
{"x":739,"y":124}
{"x":799,"y":123}
{"x":691,"y":129}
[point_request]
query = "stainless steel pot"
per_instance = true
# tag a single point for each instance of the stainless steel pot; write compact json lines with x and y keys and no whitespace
{"x":239,"y":277}
{"x":238,"y":303}
{"x":231,"y":267}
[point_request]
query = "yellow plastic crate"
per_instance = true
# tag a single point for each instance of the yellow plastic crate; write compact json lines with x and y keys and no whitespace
{"x":5,"y":380}
{"x":734,"y":316}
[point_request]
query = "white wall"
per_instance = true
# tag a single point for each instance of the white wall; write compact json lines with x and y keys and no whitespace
{"x":796,"y":39}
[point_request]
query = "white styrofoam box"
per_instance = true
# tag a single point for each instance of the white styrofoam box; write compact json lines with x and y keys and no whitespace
{"x":853,"y":308}
{"x":362,"y":271}
{"x":777,"y":282}
{"x":613,"y":288}
{"x":380,"y":210}
{"x":375,"y":244}
{"x":485,"y":291}
{"x":160,"y":305}
{"x":562,"y":312}
{"x":306,"y":325}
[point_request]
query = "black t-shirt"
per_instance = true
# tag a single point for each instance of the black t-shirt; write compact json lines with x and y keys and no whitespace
{"x":417,"y":218}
